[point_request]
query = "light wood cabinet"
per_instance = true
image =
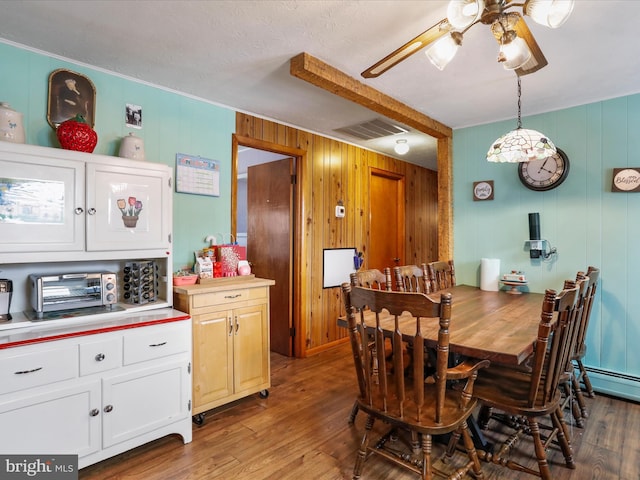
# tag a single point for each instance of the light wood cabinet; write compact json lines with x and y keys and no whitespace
{"x":230,"y":340}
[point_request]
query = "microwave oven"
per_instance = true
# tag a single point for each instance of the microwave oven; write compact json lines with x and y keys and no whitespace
{"x":52,"y":293}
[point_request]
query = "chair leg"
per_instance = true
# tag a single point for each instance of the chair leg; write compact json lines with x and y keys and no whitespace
{"x":585,"y":379}
{"x":557,"y":418}
{"x":362,"y":452}
{"x":354,"y":412}
{"x":543,"y":466}
{"x":427,"y":473}
{"x":474,"y":461}
{"x":577,"y":392}
{"x":570,"y":401}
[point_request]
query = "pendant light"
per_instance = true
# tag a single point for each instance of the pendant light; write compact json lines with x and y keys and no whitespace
{"x":402,"y":147}
{"x":521,"y":144}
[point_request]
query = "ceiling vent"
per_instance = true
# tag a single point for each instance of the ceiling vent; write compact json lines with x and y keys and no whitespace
{"x":373,"y":129}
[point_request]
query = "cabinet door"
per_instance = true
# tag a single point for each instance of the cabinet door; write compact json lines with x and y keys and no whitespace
{"x":41,"y":204}
{"x":128,"y":208}
{"x":212,"y":358}
{"x":251,"y":348}
{"x":143,"y":400}
{"x":60,"y":420}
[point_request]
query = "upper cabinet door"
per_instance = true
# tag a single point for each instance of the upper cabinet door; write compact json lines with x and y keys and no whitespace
{"x":128,"y":208}
{"x":41,"y":204}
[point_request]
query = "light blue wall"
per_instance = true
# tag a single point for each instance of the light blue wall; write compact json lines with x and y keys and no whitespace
{"x":582,"y":218}
{"x":172,"y":123}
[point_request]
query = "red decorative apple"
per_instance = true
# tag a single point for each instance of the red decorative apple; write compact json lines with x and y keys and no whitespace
{"x":76,"y":134}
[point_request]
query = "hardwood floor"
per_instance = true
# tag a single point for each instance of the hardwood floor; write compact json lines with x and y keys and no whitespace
{"x":300,"y":432}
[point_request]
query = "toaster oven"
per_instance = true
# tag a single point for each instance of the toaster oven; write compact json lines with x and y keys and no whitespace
{"x":51,"y":293}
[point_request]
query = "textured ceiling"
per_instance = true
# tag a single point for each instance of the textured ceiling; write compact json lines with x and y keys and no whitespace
{"x":236,"y":53}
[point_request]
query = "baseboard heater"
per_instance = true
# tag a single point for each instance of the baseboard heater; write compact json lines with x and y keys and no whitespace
{"x":615,"y":383}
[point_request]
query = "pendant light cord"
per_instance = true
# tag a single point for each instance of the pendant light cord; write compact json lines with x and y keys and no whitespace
{"x":519,"y":102}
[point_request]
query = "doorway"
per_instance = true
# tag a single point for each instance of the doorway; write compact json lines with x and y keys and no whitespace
{"x":263,"y":212}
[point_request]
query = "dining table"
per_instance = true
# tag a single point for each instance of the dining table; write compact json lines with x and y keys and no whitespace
{"x":491,"y":325}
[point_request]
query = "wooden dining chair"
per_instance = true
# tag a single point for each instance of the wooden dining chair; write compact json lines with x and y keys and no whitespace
{"x":371,"y":278}
{"x":567,"y":380}
{"x":416,"y":405}
{"x":526,"y":395}
{"x":580,"y":351}
{"x":411,"y":278}
{"x":442,"y":275}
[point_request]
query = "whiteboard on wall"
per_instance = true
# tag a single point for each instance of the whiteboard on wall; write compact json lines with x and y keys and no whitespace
{"x":337,"y":266}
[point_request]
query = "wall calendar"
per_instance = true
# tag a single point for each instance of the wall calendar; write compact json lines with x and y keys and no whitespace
{"x":197,"y":175}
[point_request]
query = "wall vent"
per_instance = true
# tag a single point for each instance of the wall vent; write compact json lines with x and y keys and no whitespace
{"x":376,"y":128}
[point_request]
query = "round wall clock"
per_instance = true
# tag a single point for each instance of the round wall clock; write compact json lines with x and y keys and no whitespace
{"x":545,"y":174}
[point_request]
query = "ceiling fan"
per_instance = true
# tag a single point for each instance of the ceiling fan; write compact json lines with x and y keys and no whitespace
{"x":518,"y":51}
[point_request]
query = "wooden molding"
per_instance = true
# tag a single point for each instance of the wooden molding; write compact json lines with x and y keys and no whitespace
{"x":318,"y":73}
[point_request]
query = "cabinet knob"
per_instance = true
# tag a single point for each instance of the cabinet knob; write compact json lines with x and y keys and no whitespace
{"x":108,"y":408}
{"x":94,"y":412}
{"x":91,"y":211}
{"x":78,"y":211}
{"x":99,"y":357}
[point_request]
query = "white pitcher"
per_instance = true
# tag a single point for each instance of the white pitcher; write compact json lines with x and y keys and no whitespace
{"x":11,"y":127}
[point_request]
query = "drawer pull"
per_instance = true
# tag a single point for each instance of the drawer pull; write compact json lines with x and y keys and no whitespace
{"x":233,"y":296}
{"x":22,"y":372}
{"x":108,"y":408}
{"x":94,"y":412}
{"x":157,"y":344}
{"x":100,"y":357}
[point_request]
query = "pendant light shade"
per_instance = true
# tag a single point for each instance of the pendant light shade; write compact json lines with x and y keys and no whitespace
{"x":443,"y":51}
{"x":550,"y":13}
{"x":521,"y":144}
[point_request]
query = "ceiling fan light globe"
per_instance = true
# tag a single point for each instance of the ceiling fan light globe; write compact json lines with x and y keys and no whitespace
{"x":550,"y":13}
{"x":443,"y":51}
{"x":514,"y":54}
{"x":462,"y":13}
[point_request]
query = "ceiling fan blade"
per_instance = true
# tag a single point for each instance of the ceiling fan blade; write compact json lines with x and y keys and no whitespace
{"x":412,"y":46}
{"x":537,"y":60}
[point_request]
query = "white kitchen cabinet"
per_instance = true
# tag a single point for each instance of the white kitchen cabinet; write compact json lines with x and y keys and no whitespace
{"x":59,"y":205}
{"x":97,"y":395}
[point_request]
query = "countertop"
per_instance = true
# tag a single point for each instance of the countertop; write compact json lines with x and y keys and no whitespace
{"x":26,"y":332}
{"x":223,"y":284}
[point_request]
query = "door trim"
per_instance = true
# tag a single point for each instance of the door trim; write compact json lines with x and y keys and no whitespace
{"x":299,"y":344}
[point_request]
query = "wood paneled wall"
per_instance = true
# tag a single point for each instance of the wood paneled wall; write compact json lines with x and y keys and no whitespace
{"x":334,"y":171}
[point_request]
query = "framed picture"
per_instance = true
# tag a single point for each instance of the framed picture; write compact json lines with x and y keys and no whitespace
{"x":483,"y":190}
{"x":70,"y":93}
{"x":626,"y":180}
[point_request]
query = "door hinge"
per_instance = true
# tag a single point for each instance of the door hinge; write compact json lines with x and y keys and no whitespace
{"x":189,"y":406}
{"x":293,"y":179}
{"x":169,"y":238}
{"x":189,"y":368}
{"x":292,"y":332}
{"x":170,"y":182}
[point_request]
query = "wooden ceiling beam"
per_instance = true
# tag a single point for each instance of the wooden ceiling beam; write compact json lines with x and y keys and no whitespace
{"x":320,"y":74}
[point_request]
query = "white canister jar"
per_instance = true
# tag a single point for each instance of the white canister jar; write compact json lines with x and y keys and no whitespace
{"x":11,"y":127}
{"x":132,"y":147}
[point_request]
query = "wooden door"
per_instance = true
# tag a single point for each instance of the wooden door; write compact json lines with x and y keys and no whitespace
{"x":386,"y":222}
{"x":269,"y":242}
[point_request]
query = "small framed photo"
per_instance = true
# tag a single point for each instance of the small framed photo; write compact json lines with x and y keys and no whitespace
{"x":133,"y":115}
{"x":483,"y":190}
{"x":70,"y":93}
{"x":626,"y":180}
